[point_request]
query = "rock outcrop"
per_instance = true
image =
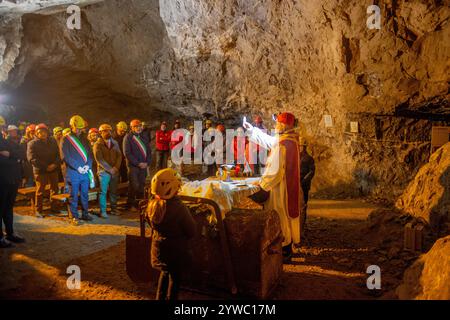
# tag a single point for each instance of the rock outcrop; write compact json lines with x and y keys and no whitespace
{"x":429,"y":277}
{"x":428,"y":195}
{"x":161,"y":59}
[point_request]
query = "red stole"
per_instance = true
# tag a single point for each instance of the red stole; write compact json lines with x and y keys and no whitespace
{"x":292,"y":176}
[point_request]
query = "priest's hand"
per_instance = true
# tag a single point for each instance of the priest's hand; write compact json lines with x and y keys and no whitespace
{"x":247,"y":125}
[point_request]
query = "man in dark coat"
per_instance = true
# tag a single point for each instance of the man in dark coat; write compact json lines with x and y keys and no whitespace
{"x":10,"y":179}
{"x":43,"y":154}
{"x":307,"y":171}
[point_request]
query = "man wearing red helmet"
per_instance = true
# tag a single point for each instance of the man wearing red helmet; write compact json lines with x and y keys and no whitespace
{"x":138,"y":155}
{"x":281,"y":179}
{"x":43,"y":154}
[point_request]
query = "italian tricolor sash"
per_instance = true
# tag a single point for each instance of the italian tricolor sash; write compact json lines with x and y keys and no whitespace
{"x":141,"y":146}
{"x":78,"y":146}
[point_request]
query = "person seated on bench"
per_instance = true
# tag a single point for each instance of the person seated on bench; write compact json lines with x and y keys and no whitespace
{"x":109,"y":158}
{"x":43,"y":154}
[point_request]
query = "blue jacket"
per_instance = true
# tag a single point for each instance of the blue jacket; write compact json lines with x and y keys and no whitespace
{"x":132,"y":153}
{"x":72,"y":158}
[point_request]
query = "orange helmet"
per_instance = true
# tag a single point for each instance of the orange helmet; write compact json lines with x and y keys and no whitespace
{"x":258,"y":119}
{"x":105,"y":127}
{"x":221,"y":128}
{"x":41,"y":126}
{"x":31,"y":128}
{"x":135,"y":123}
{"x":93,"y":130}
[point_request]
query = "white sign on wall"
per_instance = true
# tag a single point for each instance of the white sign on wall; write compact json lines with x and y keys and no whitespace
{"x":354,"y":127}
{"x":328,"y":121}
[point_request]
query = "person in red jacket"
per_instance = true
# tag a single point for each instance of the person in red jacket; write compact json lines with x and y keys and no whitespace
{"x":163,"y":138}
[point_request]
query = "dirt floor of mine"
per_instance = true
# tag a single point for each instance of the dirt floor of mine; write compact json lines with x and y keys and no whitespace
{"x":331,"y":265}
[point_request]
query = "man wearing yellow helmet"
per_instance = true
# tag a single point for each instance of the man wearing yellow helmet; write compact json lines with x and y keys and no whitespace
{"x":108,"y":157}
{"x":78,"y":159}
{"x":118,"y":135}
{"x":173,"y":227}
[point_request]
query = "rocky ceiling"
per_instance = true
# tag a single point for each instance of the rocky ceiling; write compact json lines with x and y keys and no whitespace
{"x":231,"y":58}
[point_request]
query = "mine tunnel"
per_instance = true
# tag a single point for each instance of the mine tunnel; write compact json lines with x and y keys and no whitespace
{"x":362,"y":90}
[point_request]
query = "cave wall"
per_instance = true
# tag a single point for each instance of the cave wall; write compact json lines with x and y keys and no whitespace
{"x":230,"y":58}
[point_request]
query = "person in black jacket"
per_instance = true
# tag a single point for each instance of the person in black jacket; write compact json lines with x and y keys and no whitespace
{"x":10,"y":179}
{"x":173,"y":227}
{"x":307,"y":171}
{"x":43,"y":154}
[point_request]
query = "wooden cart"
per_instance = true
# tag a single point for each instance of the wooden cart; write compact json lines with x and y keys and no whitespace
{"x":239,"y":255}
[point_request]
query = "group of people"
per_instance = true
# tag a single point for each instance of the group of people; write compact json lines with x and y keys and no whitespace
{"x":105,"y":156}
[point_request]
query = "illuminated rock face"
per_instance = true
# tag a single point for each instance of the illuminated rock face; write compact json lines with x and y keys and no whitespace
{"x":236,"y":57}
{"x":429,"y":277}
{"x":428,"y":195}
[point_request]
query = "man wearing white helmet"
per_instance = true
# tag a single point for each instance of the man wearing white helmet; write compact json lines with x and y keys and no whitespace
{"x":13,"y":134}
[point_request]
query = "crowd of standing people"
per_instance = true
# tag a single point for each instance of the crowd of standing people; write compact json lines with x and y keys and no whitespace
{"x":81,"y":158}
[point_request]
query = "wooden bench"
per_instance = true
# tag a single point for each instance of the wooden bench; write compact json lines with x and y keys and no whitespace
{"x":64,"y":197}
{"x":30,"y":192}
{"x":122,"y":188}
{"x":92,"y":196}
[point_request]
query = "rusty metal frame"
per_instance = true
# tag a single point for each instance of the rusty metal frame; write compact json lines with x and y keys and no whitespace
{"x":223,"y":238}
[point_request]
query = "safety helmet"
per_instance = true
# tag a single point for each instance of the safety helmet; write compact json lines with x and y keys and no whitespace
{"x":258,"y":119}
{"x":57,"y":130}
{"x":2,"y":121}
{"x":135,"y":123}
{"x":166,"y":183}
{"x":77,"y":122}
{"x":122,"y":125}
{"x":208,"y":121}
{"x":191,"y":127}
{"x":41,"y":126}
{"x":93,"y":130}
{"x":12,"y":127}
{"x":104,"y":127}
{"x":286,"y":118}
{"x":21,"y":127}
{"x":31,"y":128}
{"x":221,"y":128}
{"x":66,"y":131}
